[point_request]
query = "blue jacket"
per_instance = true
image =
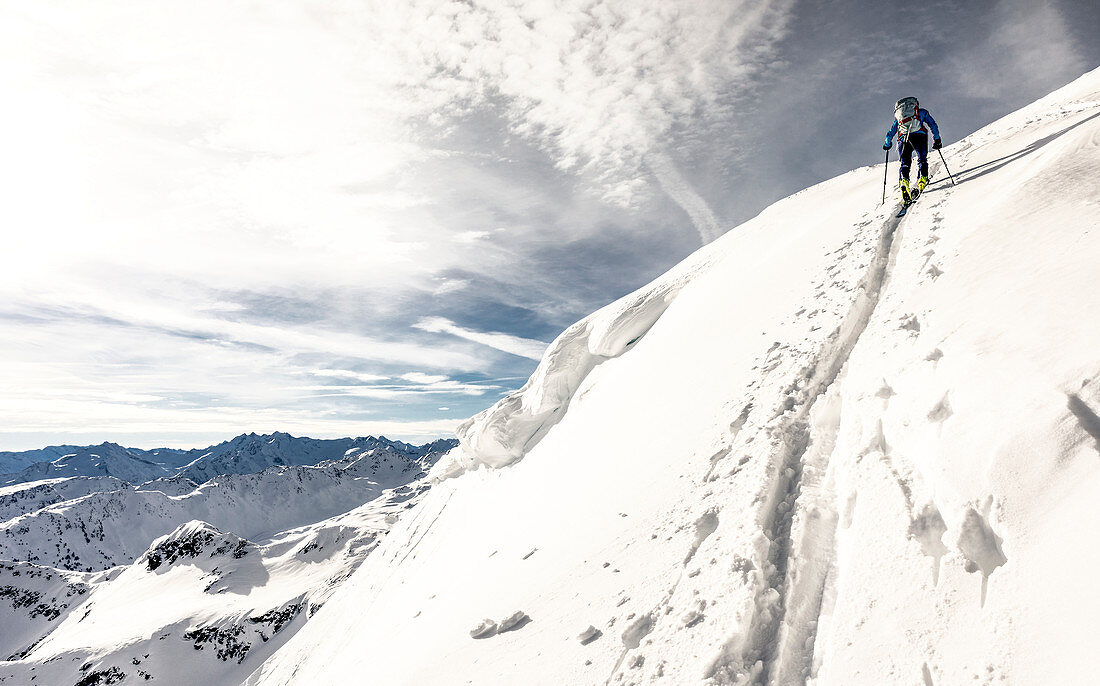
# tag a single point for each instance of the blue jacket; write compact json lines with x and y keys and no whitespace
{"x":925,"y":120}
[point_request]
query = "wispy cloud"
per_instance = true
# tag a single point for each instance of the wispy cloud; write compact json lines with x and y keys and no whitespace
{"x":346,"y":374}
{"x":422,"y":378}
{"x":513,"y":345}
{"x":599,"y":84}
{"x":164,"y":324}
{"x":61,"y":421}
{"x":673,"y":183}
{"x":389,"y":391}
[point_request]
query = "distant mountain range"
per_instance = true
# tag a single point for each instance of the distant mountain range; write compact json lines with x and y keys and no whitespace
{"x":213,"y":562}
{"x":11,"y":462}
{"x":245,"y":454}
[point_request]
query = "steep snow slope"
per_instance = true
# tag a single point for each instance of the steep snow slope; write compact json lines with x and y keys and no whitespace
{"x":33,"y":597}
{"x":851,"y":450}
{"x":34,"y":495}
{"x":103,"y":529}
{"x":503,"y":433}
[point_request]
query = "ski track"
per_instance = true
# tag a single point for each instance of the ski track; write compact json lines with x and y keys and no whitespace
{"x":778,"y":651}
{"x":800,"y":518}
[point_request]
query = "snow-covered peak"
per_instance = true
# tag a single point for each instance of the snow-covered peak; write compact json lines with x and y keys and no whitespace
{"x":176,"y":485}
{"x":252,"y":453}
{"x":193,"y":540}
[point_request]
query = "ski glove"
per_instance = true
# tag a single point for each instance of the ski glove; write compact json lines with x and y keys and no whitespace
{"x":937,"y":144}
{"x":886,"y":145}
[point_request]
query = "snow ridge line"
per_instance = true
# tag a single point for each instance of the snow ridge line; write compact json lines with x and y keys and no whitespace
{"x":761,"y":657}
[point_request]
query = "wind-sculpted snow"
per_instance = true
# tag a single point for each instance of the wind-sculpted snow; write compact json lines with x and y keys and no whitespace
{"x":505,"y":432}
{"x":852,"y":450}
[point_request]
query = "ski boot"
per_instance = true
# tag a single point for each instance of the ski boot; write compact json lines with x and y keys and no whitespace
{"x":906,"y":197}
{"x":922,"y":182}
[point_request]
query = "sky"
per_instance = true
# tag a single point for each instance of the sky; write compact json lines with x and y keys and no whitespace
{"x":347,"y":218}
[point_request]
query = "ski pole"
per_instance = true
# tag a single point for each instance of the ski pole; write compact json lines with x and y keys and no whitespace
{"x":885,"y":173}
{"x":945,"y":167}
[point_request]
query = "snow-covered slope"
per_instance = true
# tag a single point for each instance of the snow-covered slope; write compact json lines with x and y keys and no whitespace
{"x":32,"y":600}
{"x":503,"y":433}
{"x":846,"y":449}
{"x":32,"y":496}
{"x":106,"y":528}
{"x":213,"y":578}
{"x":200,"y":606}
{"x":174,"y":485}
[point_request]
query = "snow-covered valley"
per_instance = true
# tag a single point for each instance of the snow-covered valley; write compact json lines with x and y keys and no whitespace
{"x":834,"y":446}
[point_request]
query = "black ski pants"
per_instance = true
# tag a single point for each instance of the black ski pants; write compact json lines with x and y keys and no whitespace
{"x":918,"y":141}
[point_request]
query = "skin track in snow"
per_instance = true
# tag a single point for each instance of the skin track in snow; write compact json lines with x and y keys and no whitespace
{"x":765,"y":652}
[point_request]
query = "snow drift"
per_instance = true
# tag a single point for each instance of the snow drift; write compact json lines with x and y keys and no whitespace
{"x":505,"y":432}
{"x":833,"y":447}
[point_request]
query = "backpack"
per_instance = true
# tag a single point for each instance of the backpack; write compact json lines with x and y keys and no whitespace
{"x":906,"y":113}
